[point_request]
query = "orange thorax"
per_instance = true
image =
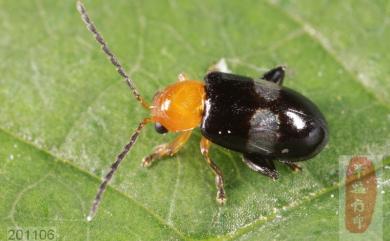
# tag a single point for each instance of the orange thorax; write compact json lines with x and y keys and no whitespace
{"x":179,"y":106}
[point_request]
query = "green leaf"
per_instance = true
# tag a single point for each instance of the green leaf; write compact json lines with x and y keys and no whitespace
{"x":65,"y":114}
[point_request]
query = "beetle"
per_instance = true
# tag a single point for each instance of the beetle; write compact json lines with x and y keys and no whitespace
{"x":260,"y":119}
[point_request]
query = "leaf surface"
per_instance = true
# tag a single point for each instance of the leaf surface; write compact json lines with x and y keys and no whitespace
{"x":65,"y":114}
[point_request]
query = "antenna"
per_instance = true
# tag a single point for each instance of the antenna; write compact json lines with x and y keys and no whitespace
{"x":114,"y":167}
{"x":99,"y":38}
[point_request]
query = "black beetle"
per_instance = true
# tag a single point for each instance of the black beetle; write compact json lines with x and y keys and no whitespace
{"x":260,"y":119}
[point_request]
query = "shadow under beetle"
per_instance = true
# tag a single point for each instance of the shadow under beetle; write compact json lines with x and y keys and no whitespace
{"x":260,"y":119}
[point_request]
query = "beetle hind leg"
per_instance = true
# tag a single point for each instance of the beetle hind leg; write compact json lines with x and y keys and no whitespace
{"x":167,"y":149}
{"x":275,"y":75}
{"x":294,"y":167}
{"x":261,"y":165}
{"x":204,"y":148}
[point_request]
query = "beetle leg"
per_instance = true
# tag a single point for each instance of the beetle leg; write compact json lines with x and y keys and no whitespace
{"x":204,"y":148}
{"x":182,"y":76}
{"x":292,"y":166}
{"x":220,"y":66}
{"x":167,"y":149}
{"x":275,"y":75}
{"x":261,"y":165}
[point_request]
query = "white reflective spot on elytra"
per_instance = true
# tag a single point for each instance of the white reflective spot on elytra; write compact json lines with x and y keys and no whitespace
{"x":229,"y":132}
{"x":284,"y":151}
{"x":265,"y":119}
{"x":165,"y":105}
{"x":264,"y":130}
{"x":220,"y":132}
{"x":296,"y":120}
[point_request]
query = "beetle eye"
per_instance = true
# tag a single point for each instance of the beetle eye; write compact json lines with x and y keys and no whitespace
{"x":160,"y":128}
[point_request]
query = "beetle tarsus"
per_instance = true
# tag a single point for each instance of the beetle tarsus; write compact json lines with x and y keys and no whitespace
{"x":275,"y":75}
{"x":221,"y":197}
{"x":294,"y":167}
{"x":158,"y":152}
{"x":168,"y":149}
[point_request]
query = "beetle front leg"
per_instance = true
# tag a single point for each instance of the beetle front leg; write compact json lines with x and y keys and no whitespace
{"x":168,"y":149}
{"x":204,"y":148}
{"x":182,"y":76}
{"x":275,"y":75}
